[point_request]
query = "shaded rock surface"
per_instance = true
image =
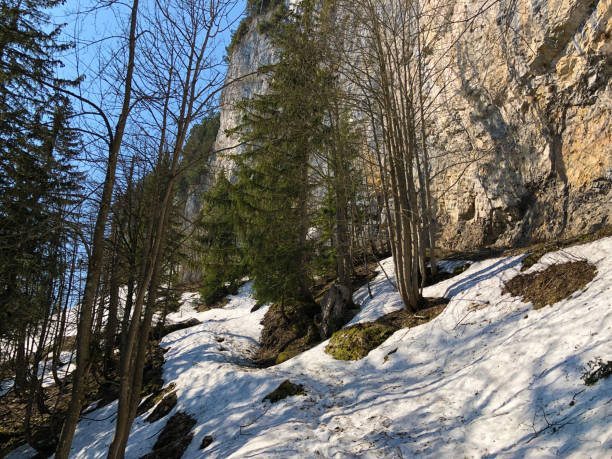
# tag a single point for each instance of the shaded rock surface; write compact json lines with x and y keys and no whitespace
{"x":163,"y":408}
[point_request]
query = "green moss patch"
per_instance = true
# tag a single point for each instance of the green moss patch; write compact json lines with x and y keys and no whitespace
{"x":287,"y":354}
{"x":552,"y":285}
{"x":286,"y":389}
{"x":354,"y":343}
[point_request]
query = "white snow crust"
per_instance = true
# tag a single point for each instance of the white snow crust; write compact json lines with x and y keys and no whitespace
{"x":489,"y":377}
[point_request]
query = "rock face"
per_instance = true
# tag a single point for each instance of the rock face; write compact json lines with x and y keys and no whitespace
{"x":253,"y":51}
{"x":526,"y":123}
{"x":522,"y":125}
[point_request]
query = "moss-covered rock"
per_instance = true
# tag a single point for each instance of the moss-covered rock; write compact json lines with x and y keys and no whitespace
{"x":287,"y":354}
{"x":354,"y":343}
{"x":286,"y":389}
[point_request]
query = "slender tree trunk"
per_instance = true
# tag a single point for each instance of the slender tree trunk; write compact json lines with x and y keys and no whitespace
{"x":97,"y":257}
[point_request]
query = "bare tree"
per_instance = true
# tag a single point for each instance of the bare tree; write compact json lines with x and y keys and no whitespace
{"x":178,"y":61}
{"x":94,"y":270}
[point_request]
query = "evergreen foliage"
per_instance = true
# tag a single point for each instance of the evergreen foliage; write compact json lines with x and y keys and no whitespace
{"x":283,"y":130}
{"x":37,"y":146}
{"x":222,"y":263}
{"x":196,"y":153}
{"x":255,"y":9}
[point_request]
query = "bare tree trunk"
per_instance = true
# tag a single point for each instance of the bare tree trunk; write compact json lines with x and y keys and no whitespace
{"x":113,"y":307}
{"x":97,"y":256}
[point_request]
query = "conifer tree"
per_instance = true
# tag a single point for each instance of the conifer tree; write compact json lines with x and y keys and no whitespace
{"x":223,"y":260}
{"x":283,"y":130}
{"x":36,"y":178}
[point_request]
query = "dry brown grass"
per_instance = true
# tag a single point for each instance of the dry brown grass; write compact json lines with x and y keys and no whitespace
{"x":552,"y":285}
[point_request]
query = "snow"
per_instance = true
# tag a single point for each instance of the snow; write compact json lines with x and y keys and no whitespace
{"x":489,"y":377}
{"x":45,"y":373}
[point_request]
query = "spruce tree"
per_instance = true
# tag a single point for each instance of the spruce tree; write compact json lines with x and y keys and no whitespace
{"x":36,"y":147}
{"x":283,"y":130}
{"x":222,"y":262}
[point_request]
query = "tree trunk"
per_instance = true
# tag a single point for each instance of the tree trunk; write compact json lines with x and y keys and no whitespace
{"x":97,"y":257}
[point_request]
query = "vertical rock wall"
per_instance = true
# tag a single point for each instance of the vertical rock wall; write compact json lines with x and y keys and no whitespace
{"x":525,"y":117}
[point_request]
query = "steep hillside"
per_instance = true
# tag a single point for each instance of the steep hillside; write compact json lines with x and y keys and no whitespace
{"x":489,"y":376}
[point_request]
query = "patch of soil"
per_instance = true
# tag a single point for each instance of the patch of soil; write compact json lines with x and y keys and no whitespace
{"x":45,"y":427}
{"x":286,"y":389}
{"x":291,"y":328}
{"x":430,"y":309}
{"x":356,"y":342}
{"x":554,"y":284}
{"x":597,"y":369}
{"x":163,"y":408}
{"x":152,"y":380}
{"x":158,"y":332}
{"x":206,"y":442}
{"x":174,"y":439}
{"x":539,"y":250}
{"x":536,"y":248}
{"x":443,"y":275}
{"x":216,"y":305}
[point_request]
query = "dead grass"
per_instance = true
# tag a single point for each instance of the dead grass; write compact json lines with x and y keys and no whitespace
{"x":552,"y":285}
{"x":430,"y":309}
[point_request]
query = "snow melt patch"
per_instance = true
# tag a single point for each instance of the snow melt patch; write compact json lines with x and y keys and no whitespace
{"x":488,"y":377}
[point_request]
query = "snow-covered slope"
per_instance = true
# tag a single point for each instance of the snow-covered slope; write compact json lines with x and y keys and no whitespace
{"x":488,"y":377}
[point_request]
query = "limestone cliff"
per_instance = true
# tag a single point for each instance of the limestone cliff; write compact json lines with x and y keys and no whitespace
{"x":527,"y":107}
{"x":522,"y":123}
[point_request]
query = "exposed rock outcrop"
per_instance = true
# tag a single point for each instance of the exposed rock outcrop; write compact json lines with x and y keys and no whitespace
{"x":527,"y":108}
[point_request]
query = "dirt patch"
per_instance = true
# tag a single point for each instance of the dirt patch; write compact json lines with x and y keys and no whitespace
{"x":443,"y":275}
{"x":554,"y":284}
{"x":159,"y":332}
{"x":286,"y":389}
{"x":539,"y":250}
{"x":45,"y":426}
{"x":216,"y":305}
{"x":290,"y":329}
{"x":597,"y":369}
{"x":430,"y":309}
{"x":355,"y":342}
{"x":163,"y":408}
{"x":174,"y":439}
{"x":206,"y":442}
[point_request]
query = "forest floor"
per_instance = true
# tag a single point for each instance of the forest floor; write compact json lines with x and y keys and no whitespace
{"x":490,"y":376}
